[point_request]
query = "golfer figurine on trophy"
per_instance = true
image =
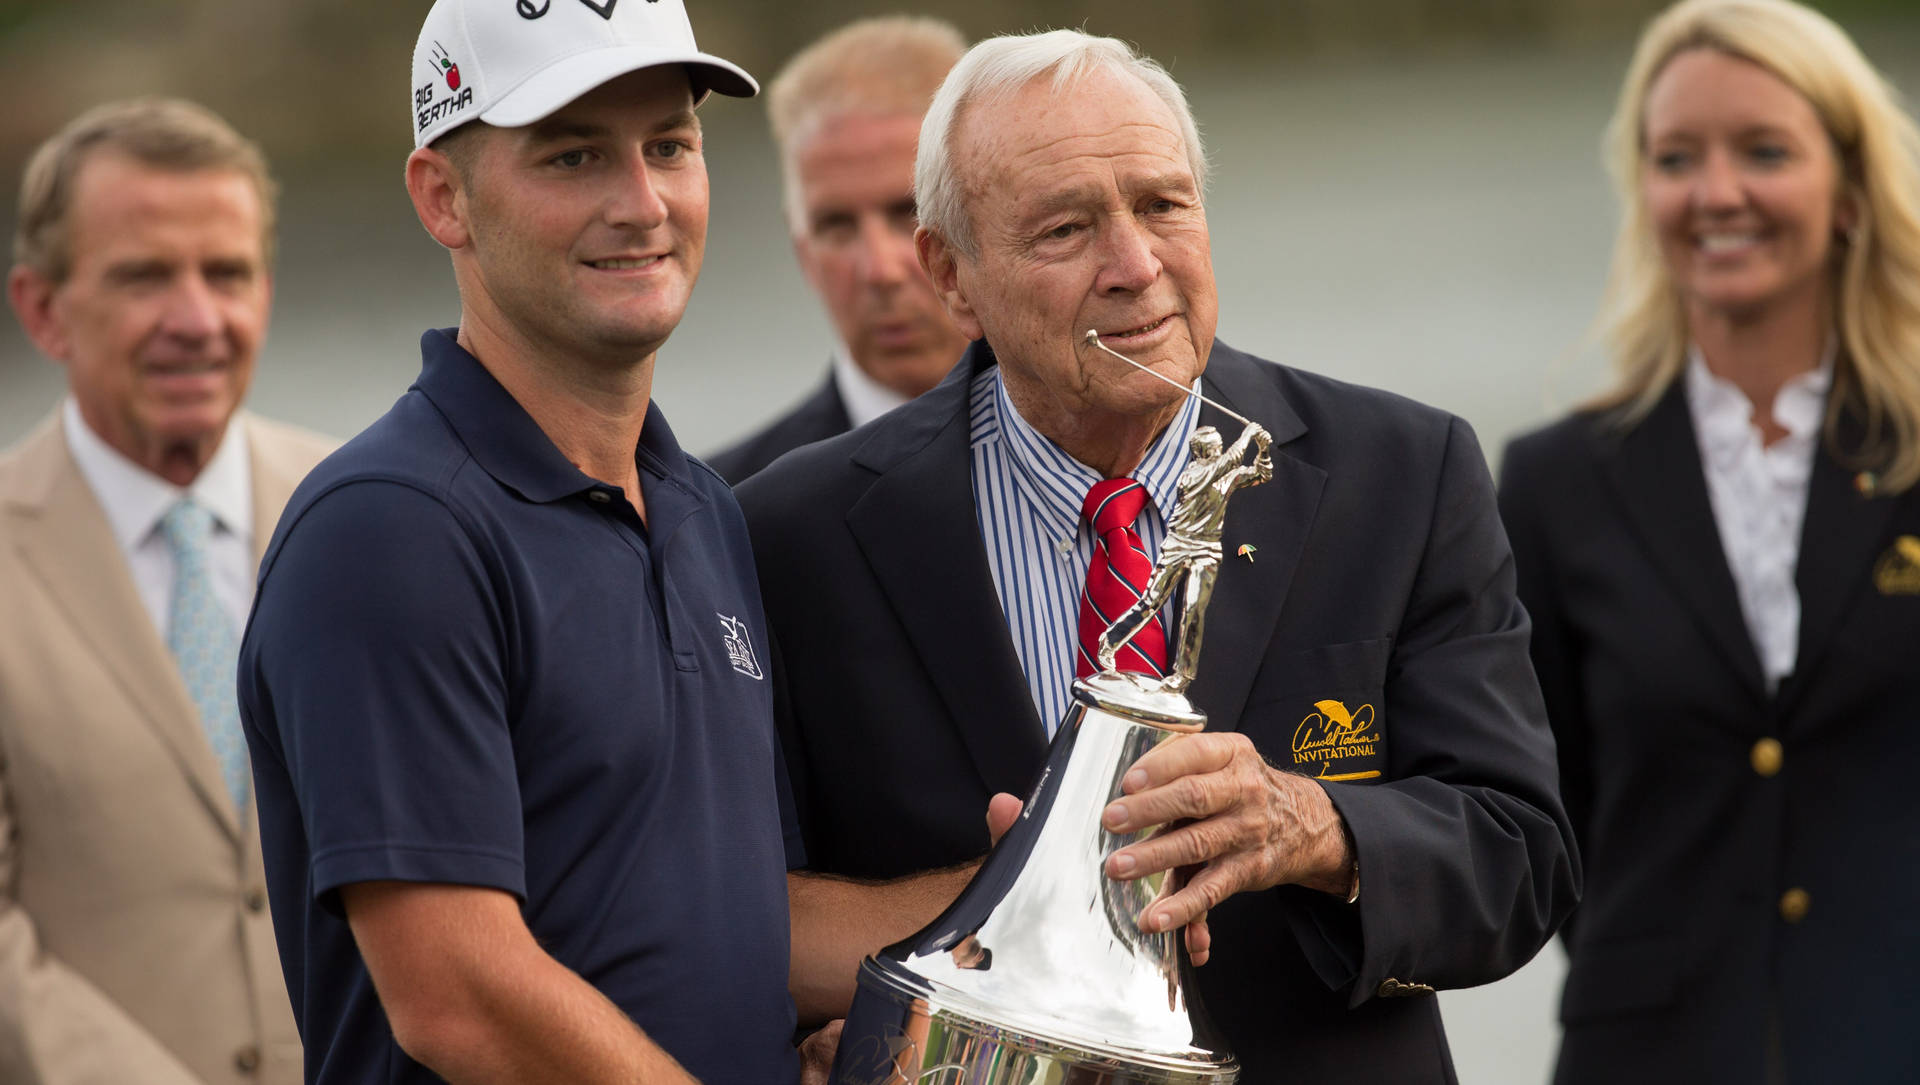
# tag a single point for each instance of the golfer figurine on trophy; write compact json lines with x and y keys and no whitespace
{"x":1191,"y":551}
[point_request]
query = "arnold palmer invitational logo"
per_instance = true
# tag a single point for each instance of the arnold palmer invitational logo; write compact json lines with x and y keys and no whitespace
{"x":1338,"y":743}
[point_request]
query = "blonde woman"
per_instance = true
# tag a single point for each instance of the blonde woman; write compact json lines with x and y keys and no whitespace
{"x":1722,"y":559}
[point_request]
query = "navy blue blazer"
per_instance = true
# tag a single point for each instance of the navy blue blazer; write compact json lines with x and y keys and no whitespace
{"x":1382,"y":581}
{"x":1749,"y":858}
{"x":819,"y":416}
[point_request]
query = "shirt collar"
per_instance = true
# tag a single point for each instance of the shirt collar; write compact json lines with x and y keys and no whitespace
{"x":864,"y":398}
{"x":135,"y":499}
{"x":1723,"y":415}
{"x":503,"y":438}
{"x":1058,"y":483}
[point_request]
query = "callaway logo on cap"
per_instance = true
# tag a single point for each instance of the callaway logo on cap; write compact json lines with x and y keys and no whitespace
{"x":512,"y":62}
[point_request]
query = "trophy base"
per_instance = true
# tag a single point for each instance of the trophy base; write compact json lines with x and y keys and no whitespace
{"x":909,"y":1033}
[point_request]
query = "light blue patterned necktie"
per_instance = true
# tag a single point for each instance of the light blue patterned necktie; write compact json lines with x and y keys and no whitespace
{"x":202,"y":639}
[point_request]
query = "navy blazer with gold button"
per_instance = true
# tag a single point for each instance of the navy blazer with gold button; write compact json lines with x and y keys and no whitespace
{"x":1752,"y":860}
{"x":1381,"y":592}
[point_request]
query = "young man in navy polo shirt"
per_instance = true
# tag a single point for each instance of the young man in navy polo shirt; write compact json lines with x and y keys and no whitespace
{"x":505,"y":678}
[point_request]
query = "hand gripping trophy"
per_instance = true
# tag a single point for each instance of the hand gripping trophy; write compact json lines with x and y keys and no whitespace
{"x":1039,"y":972}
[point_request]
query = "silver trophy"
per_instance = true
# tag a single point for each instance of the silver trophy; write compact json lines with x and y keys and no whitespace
{"x":1038,"y":973}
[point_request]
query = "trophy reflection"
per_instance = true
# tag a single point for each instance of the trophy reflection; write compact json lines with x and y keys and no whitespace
{"x":1039,"y":972}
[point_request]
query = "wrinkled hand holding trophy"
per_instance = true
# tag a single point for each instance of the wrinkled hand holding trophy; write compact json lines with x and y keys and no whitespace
{"x":1038,"y":973}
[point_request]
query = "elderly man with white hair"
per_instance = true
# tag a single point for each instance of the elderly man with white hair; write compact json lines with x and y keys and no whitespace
{"x":1374,"y":811}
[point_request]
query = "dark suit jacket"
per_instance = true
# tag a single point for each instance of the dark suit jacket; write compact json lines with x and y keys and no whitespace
{"x":1381,"y":579}
{"x":819,"y":416}
{"x":1680,"y":950}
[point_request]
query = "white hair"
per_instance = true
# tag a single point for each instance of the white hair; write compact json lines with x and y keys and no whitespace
{"x":995,"y":70}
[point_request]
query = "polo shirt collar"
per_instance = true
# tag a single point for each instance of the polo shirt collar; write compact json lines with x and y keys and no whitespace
{"x":505,"y":440}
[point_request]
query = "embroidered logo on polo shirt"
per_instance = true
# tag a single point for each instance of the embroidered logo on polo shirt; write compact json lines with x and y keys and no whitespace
{"x":733,"y":634}
{"x":1332,"y":738}
{"x":1898,"y":570}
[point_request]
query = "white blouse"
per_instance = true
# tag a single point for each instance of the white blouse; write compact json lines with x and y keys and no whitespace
{"x":1759,"y":497}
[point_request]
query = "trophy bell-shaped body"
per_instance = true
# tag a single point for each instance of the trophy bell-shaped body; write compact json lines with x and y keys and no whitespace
{"x":1038,"y":973}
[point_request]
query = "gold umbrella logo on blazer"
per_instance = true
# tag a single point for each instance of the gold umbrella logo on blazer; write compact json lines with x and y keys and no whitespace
{"x":1898,"y":570}
{"x":1334,"y":736}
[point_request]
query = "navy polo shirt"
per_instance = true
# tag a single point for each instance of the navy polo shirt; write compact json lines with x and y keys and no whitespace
{"x":470,"y":663}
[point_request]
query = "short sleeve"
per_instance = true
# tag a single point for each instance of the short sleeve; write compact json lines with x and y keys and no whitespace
{"x":376,"y":651}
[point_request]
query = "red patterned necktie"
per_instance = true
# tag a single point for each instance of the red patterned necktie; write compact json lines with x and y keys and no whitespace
{"x":1115,"y":579}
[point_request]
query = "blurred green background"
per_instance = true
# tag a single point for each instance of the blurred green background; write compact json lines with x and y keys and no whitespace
{"x":315,"y":80}
{"x":1406,"y":193}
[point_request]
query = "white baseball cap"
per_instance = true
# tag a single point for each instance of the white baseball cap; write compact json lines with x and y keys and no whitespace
{"x":512,"y":62}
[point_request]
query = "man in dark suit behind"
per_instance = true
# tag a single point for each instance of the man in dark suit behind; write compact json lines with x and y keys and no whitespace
{"x":845,"y":113}
{"x":1374,"y":809}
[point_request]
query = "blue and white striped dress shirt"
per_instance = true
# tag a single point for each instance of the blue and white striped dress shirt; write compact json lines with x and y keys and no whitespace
{"x":1027,"y":493}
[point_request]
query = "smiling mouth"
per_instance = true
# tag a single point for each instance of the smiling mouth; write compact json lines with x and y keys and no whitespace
{"x":1135,"y":333}
{"x":1725,"y":242}
{"x":624,"y":264}
{"x":177,"y":369}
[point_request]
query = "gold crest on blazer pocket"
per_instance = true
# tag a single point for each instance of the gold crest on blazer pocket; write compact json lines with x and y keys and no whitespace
{"x":1335,"y":743}
{"x":1327,"y":710}
{"x":1898,"y":570}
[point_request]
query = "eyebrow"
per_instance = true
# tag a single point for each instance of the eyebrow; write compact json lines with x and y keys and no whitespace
{"x":1067,"y":198}
{"x":1062,"y":199}
{"x":1745,"y":131}
{"x":549,"y":130}
{"x":138,"y":267}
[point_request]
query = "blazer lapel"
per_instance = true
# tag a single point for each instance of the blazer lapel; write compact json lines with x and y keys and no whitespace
{"x":917,"y":528}
{"x":274,"y":480}
{"x":825,"y":412}
{"x":1844,"y":533}
{"x":65,"y":541}
{"x":1656,"y":474}
{"x":1273,"y":518}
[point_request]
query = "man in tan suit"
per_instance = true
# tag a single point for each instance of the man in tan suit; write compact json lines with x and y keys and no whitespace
{"x":135,"y":944}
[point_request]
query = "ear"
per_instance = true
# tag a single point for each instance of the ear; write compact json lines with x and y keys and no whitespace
{"x":438,"y":197}
{"x":32,"y":296}
{"x":941,"y":264}
{"x":1846,"y":210}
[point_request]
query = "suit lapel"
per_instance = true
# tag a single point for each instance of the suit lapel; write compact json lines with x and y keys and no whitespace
{"x":274,"y":480}
{"x":65,"y":541}
{"x":917,"y":529}
{"x":1273,"y":518}
{"x":824,"y":410}
{"x":1844,"y":533}
{"x":1655,"y":473}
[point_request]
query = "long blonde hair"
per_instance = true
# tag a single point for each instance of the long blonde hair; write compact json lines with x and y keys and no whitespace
{"x":1878,"y":295}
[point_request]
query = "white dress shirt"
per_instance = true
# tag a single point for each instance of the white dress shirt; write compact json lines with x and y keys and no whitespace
{"x":135,"y":499}
{"x":1759,"y":497}
{"x":864,"y":398}
{"x":1027,"y":495}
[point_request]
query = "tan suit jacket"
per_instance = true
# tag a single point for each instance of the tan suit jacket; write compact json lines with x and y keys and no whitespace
{"x":135,"y":941}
